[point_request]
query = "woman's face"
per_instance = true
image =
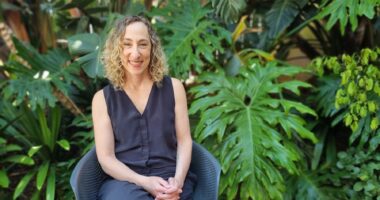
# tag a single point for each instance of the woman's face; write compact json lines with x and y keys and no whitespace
{"x":136,"y":49}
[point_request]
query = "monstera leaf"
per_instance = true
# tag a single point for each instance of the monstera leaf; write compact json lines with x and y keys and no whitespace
{"x":190,"y":39}
{"x":254,"y":128}
{"x":34,"y":75}
{"x":348,"y":11}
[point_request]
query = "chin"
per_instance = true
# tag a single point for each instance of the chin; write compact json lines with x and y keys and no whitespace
{"x":137,"y":71}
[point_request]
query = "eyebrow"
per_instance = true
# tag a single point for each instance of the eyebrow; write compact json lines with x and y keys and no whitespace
{"x":141,"y":40}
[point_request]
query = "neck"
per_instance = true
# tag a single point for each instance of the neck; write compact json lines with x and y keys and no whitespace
{"x":136,"y":82}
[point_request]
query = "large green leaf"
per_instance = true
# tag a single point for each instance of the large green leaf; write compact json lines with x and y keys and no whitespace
{"x":83,"y":43}
{"x":282,"y":14}
{"x":88,"y":47}
{"x":248,"y":122}
{"x":43,"y":71}
{"x":229,"y":10}
{"x":348,"y":11}
{"x":88,"y":44}
{"x":190,"y":39}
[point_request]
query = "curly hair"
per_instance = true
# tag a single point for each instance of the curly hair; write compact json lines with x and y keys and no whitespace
{"x":112,"y":52}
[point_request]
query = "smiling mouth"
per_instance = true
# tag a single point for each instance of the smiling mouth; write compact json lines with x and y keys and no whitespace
{"x":135,"y":63}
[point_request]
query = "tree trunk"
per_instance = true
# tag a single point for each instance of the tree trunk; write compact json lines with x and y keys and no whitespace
{"x":44,"y":28}
{"x":13,"y":18}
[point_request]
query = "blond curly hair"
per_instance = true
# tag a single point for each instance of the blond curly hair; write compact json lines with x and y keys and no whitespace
{"x":112,"y":52}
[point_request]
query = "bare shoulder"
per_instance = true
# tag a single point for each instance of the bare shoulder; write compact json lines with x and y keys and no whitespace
{"x":177,"y":86}
{"x":98,"y":98}
{"x":179,"y":92}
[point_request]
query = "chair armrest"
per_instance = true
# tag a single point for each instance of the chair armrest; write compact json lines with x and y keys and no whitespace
{"x":87,"y":177}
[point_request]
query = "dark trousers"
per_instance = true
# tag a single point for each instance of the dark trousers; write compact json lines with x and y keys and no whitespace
{"x":112,"y":189}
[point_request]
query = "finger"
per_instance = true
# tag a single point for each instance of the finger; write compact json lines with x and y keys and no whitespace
{"x":173,"y":195}
{"x":164,"y":183}
{"x":174,"y":198}
{"x":166,"y":196}
{"x":172,"y":190}
{"x":160,"y":189}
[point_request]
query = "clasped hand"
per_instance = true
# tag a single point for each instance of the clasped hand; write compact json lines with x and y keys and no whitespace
{"x":162,"y":189}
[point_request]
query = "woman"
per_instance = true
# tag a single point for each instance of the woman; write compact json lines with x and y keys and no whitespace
{"x":141,"y":124}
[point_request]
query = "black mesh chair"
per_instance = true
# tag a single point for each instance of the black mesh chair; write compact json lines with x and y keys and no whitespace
{"x":87,"y":176}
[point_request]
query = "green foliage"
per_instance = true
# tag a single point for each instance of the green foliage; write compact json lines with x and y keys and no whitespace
{"x":328,"y":85}
{"x":88,"y":47}
{"x":245,"y":120}
{"x":191,"y":39}
{"x":40,"y":129}
{"x":282,"y":14}
{"x":311,"y":185}
{"x":348,"y":11}
{"x":229,"y":10}
{"x":35,"y":80}
{"x":358,"y":173}
{"x":359,"y":89}
{"x":313,"y":180}
{"x":88,"y":44}
{"x":253,"y":127}
{"x":9,"y":155}
{"x":91,"y":15}
{"x":84,"y":138}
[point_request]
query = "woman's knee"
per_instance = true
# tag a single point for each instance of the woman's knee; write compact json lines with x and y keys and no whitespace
{"x":123,"y":190}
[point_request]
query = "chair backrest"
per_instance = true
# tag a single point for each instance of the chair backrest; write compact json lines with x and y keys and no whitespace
{"x":207,"y":169}
{"x":88,"y":176}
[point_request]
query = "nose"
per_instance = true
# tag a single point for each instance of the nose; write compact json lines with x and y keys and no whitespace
{"x":135,"y":52}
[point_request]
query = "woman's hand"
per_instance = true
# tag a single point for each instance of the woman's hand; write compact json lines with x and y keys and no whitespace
{"x":173,"y":192}
{"x":155,"y":185}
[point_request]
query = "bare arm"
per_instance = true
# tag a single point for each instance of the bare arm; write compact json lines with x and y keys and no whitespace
{"x":182,"y":126}
{"x":105,"y":145}
{"x":184,"y":143}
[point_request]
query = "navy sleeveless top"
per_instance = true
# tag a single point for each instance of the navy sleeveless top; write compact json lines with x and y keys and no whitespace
{"x":145,"y":142}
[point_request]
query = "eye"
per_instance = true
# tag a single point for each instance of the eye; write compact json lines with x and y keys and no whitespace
{"x":127,"y":44}
{"x":144,"y":45}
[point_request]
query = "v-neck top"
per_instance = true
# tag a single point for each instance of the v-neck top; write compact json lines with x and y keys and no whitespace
{"x":134,"y":105}
{"x":146,"y":142}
